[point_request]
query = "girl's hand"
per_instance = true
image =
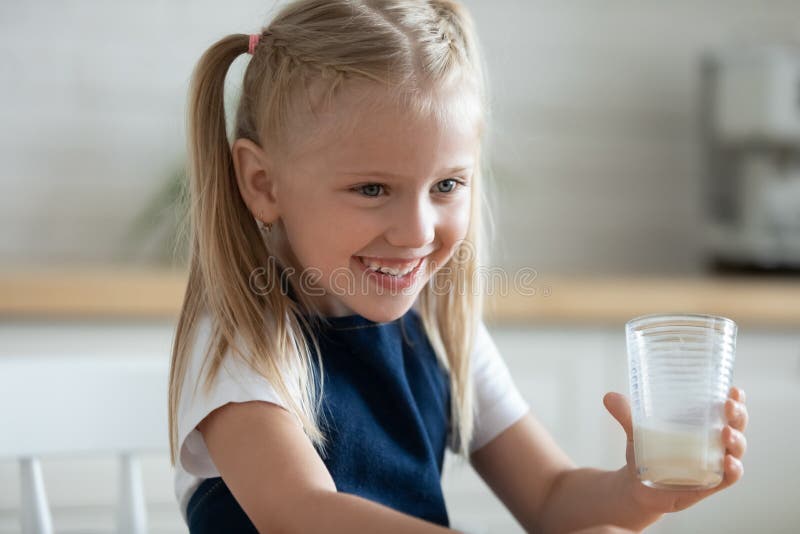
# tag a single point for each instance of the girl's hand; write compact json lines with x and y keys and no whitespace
{"x":663,"y":501}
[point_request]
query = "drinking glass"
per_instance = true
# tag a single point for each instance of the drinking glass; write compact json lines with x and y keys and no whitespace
{"x":680,"y":369}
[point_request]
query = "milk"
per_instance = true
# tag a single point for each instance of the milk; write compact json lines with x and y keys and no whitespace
{"x":675,"y":457}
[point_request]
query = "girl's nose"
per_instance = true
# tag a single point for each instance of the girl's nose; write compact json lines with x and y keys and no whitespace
{"x":413,"y":224}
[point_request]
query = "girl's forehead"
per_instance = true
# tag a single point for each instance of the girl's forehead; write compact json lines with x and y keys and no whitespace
{"x":391,"y":143}
{"x":362,"y":122}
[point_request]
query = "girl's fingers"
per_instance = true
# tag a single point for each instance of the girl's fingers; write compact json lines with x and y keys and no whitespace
{"x":735,"y":442}
{"x":734,"y":469}
{"x":732,"y":472}
{"x":736,"y":412}
{"x":736,"y":394}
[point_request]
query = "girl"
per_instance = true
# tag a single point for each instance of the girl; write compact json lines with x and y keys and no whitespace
{"x":330,"y":345}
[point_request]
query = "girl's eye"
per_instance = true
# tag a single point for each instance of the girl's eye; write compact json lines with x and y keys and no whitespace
{"x":373,"y":190}
{"x":452,"y":182}
{"x":369,"y":189}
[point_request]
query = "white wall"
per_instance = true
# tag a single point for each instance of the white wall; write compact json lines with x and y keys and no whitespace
{"x":596,"y":105}
{"x":595,"y":144}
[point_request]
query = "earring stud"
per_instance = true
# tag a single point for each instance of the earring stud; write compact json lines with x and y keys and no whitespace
{"x":262,"y":225}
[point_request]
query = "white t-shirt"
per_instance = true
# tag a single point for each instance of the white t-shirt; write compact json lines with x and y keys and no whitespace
{"x":498,"y":404}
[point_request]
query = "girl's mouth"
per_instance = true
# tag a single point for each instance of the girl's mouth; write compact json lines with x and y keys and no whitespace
{"x":393,"y":279}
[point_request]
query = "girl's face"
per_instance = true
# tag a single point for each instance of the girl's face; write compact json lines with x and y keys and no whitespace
{"x":390,"y":189}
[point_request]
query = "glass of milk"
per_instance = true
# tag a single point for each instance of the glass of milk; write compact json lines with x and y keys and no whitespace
{"x":680,"y":370}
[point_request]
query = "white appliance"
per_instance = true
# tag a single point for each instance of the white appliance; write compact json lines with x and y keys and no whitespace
{"x":750,"y":112}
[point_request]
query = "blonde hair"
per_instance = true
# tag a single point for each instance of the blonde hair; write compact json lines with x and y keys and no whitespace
{"x":414,"y":49}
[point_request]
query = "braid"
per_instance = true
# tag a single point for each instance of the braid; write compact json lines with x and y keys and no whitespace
{"x":455,"y":28}
{"x":449,"y":20}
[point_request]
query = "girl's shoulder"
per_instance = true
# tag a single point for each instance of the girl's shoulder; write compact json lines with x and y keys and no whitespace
{"x":234,"y":371}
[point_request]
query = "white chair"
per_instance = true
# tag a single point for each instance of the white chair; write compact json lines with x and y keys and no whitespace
{"x":111,"y":402}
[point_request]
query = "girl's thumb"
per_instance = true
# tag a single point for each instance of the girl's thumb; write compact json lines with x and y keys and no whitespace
{"x":617,"y":405}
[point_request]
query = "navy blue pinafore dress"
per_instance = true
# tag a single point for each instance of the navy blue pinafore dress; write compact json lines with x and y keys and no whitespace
{"x":386,"y":400}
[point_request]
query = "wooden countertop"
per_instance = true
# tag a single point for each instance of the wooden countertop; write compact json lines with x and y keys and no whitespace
{"x":73,"y":293}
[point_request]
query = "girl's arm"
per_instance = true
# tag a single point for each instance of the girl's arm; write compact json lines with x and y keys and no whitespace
{"x":280,"y":481}
{"x":545,"y":491}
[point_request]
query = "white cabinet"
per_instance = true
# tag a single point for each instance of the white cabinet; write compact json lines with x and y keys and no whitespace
{"x":564,"y":372}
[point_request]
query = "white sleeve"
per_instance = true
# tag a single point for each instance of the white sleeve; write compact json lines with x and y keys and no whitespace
{"x":498,"y":402}
{"x":234,"y":382}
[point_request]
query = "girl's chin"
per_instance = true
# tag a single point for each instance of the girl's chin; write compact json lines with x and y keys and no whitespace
{"x":378,"y":308}
{"x":384,"y":315}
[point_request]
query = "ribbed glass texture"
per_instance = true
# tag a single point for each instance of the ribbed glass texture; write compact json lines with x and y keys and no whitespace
{"x":680,"y":370}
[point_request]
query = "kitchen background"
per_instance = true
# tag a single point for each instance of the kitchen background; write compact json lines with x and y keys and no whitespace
{"x":606,"y":156}
{"x":595,"y":145}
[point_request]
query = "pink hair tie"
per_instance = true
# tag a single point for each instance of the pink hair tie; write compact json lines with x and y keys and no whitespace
{"x":254,"y":38}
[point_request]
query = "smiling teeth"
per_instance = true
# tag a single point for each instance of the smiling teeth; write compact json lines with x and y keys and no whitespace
{"x":388,"y":270}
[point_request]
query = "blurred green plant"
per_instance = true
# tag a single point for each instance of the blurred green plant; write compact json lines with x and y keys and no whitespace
{"x":158,"y":234}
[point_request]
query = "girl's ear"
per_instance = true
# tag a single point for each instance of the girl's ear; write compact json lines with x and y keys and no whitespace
{"x":256,"y":181}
